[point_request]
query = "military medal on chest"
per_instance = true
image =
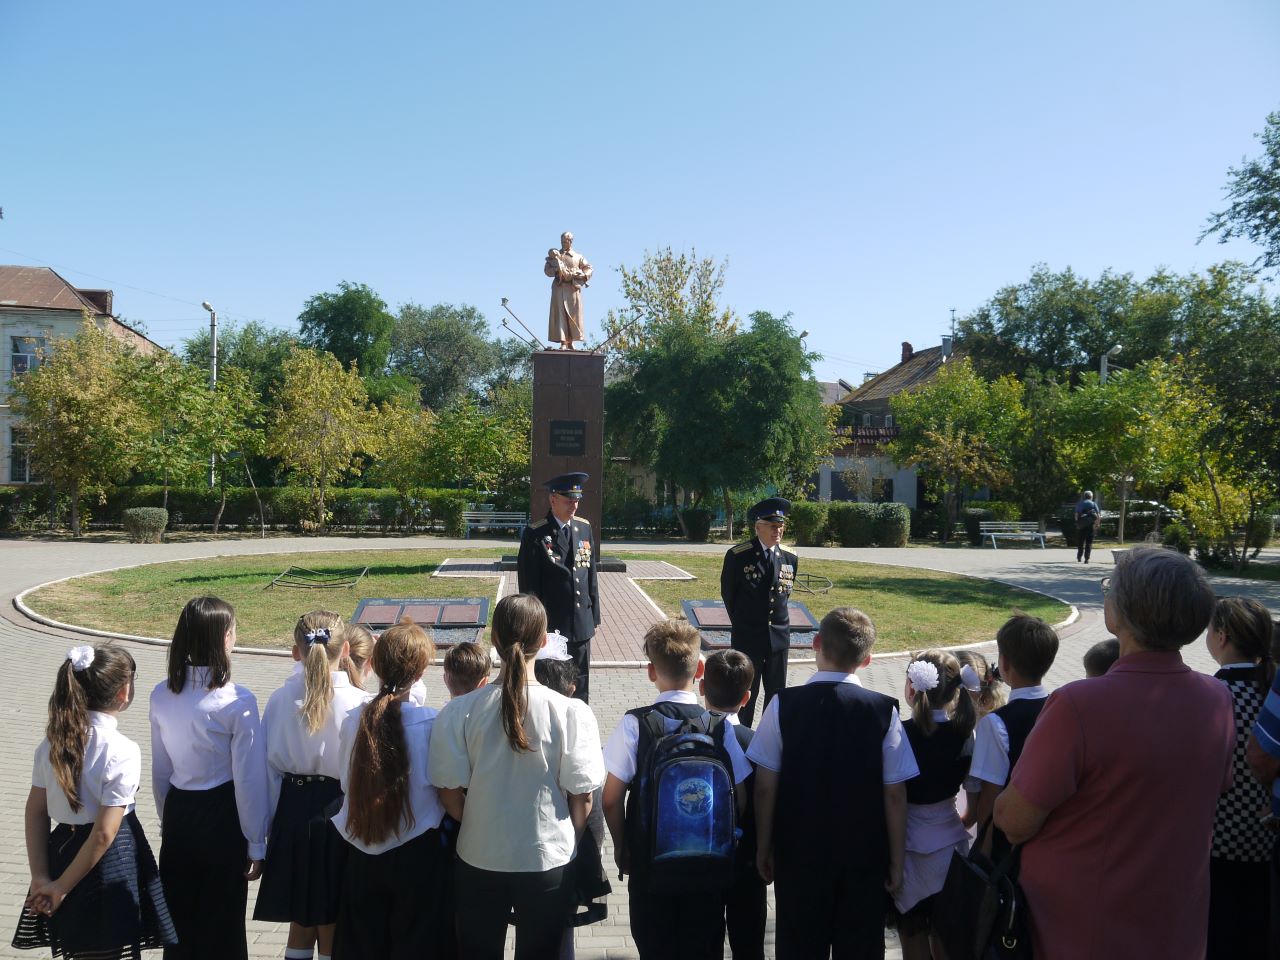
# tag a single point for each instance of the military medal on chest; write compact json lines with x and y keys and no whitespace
{"x":583,"y":556}
{"x":550,"y":546}
{"x":786,"y":579}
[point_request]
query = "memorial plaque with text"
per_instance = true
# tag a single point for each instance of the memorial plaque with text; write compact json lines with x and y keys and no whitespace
{"x":568,"y":438}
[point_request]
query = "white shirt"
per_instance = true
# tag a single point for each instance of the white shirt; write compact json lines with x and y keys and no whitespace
{"x":202,"y":738}
{"x":110,"y":775}
{"x":516,"y":819}
{"x":897,"y":759}
{"x":291,"y":748}
{"x":424,"y":801}
{"x":991,"y":747}
{"x":620,"y":751}
{"x":418,"y":694}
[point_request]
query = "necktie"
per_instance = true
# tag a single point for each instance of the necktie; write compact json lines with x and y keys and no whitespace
{"x":564,"y":537}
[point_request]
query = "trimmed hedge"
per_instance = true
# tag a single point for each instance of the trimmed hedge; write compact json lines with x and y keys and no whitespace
{"x":145,"y":524}
{"x":29,"y":507}
{"x":870,"y":524}
{"x":359,"y":507}
{"x":891,"y":524}
{"x":697,"y":524}
{"x":808,"y":522}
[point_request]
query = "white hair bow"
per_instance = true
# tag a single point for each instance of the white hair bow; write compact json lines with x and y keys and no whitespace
{"x":922,"y":675}
{"x":81,"y":658}
{"x":969,"y":677}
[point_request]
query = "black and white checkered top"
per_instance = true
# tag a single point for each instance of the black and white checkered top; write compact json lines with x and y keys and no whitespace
{"x":1238,"y":834}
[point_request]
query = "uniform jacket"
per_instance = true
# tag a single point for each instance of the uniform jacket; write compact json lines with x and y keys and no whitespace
{"x":756,"y":595}
{"x":564,"y":580}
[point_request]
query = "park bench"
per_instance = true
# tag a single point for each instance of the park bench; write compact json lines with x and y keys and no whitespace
{"x":1009,"y":530}
{"x":494,"y":519}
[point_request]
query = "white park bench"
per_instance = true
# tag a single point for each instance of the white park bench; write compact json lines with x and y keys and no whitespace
{"x":1009,"y":530}
{"x":494,"y":519}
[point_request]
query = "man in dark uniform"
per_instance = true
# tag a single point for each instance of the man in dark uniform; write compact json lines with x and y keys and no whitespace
{"x":557,"y":564}
{"x":755,"y":584}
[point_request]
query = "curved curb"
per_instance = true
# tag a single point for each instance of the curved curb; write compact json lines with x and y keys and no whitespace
{"x":21,"y":606}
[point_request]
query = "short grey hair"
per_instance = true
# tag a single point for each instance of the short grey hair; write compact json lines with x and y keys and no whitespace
{"x":1162,"y":596}
{"x":1087,"y":494}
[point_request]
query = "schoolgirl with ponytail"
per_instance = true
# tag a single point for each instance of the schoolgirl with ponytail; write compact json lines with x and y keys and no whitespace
{"x":395,"y":900}
{"x":516,"y":764}
{"x":85,"y":776}
{"x":1239,"y":639}
{"x":940,"y":730}
{"x":209,"y":779}
{"x":302,"y":876}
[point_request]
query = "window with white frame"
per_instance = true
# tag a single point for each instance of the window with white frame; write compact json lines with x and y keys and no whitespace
{"x":26,"y":353}
{"x":20,"y":457}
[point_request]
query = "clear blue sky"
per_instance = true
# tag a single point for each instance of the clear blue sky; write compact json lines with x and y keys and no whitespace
{"x":865,"y":166}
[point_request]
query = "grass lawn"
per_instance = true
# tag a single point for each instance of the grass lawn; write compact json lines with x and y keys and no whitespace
{"x":912,"y":608}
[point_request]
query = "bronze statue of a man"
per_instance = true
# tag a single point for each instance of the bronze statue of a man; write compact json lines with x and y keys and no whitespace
{"x":569,"y":272}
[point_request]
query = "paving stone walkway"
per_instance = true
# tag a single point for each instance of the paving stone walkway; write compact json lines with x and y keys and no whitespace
{"x":32,"y":653}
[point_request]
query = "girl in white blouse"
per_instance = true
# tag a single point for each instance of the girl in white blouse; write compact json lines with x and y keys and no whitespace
{"x":209,"y":778}
{"x":395,"y":900}
{"x":516,"y":765}
{"x":303,"y":872}
{"x":85,"y":776}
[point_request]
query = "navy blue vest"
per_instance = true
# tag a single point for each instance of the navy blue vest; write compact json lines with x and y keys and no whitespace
{"x":1019,"y":716}
{"x":830,"y":810}
{"x":940,"y":757}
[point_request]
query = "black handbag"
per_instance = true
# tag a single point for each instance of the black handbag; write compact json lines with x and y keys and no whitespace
{"x":980,"y":913}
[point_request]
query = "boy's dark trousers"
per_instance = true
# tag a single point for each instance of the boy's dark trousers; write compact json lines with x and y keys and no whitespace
{"x":685,"y":927}
{"x":829,"y":911}
{"x":745,"y":910}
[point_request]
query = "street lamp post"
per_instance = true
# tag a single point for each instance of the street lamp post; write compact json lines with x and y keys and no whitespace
{"x":213,"y":375}
{"x":1106,"y":357}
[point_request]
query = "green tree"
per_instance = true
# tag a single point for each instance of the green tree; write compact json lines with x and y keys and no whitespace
{"x":230,"y":434}
{"x":445,"y":348}
{"x":1038,"y":481}
{"x":254,"y":348}
{"x":353,"y":324}
{"x":82,"y":420}
{"x":322,"y":426}
{"x":175,"y":398}
{"x":474,"y":446}
{"x":405,"y":430}
{"x":958,"y":431}
{"x":1052,"y":323}
{"x":718,"y":412}
{"x":668,"y":288}
{"x":1141,"y":430}
{"x":1254,"y":192}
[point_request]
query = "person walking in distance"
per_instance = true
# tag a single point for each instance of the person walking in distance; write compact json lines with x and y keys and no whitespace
{"x":1088,"y":516}
{"x":755,"y":584}
{"x":557,"y":564}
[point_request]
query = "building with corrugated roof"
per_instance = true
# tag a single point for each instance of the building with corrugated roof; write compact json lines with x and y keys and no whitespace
{"x":37,"y":308}
{"x":867,"y":425}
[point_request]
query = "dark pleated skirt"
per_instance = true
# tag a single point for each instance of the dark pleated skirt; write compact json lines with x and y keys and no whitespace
{"x":301,"y":881}
{"x":118,"y":909}
{"x":203,"y":855}
{"x":397,"y":905}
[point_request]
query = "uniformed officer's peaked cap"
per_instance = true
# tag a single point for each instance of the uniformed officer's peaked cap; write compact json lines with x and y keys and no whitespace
{"x":568,"y":485}
{"x":775,"y":510}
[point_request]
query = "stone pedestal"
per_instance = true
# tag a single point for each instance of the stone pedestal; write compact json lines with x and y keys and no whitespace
{"x":568,"y":429}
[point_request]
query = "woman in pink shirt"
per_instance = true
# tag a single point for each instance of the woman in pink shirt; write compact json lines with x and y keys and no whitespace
{"x":1115,"y":793}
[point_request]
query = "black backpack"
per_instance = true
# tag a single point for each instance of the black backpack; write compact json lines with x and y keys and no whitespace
{"x":681,"y":814}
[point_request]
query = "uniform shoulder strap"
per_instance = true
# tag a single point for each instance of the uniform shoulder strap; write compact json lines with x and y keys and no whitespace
{"x":742,"y":547}
{"x":538,"y":525}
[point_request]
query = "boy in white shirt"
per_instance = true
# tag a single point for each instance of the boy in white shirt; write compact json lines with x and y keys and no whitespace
{"x":666,"y":926}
